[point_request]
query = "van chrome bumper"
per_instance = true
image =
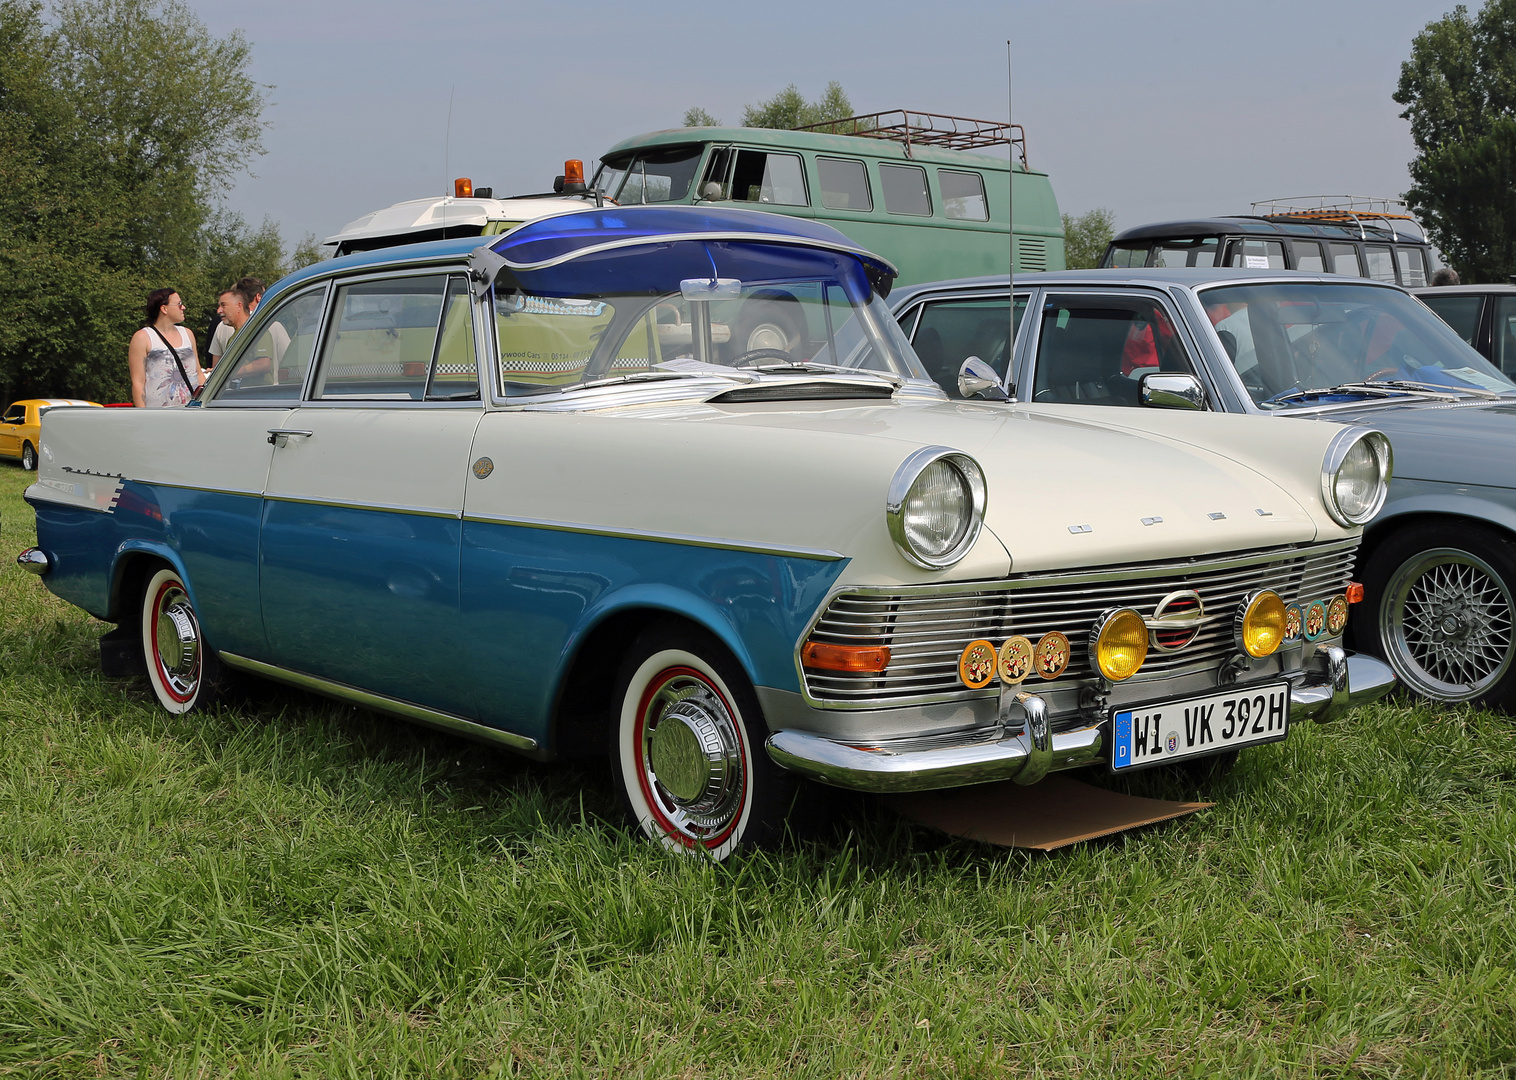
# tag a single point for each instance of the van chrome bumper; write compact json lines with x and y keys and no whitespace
{"x":932,"y":762}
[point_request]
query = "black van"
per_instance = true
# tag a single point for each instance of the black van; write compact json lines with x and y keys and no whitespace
{"x":1359,"y":237}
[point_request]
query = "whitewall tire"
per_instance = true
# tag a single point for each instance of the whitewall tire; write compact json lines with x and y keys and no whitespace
{"x":183,"y":673}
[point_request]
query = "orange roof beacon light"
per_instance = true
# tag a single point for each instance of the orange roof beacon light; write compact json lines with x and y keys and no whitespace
{"x":463,"y":188}
{"x":572,"y":180}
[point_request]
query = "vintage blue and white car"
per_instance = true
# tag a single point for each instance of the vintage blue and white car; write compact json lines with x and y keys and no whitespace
{"x":1438,"y":562}
{"x":669,"y":483}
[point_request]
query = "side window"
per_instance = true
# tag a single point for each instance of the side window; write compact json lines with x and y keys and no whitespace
{"x":844,"y":184}
{"x":1462,"y":314}
{"x":1094,"y":350}
{"x":1257,"y":254}
{"x":273,"y":367}
{"x":16,"y":414}
{"x":758,"y":177}
{"x":1185,"y":253}
{"x":1129,"y":255}
{"x":950,"y":331}
{"x":381,"y":340}
{"x":1504,"y":336}
{"x":1308,"y":256}
{"x":455,"y":375}
{"x":1378,"y":263}
{"x":1345,"y":260}
{"x":963,"y":195}
{"x":905,"y":190}
{"x":1413,"y":267}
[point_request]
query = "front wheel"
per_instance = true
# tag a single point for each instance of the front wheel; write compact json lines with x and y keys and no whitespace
{"x":184,"y":674}
{"x":687,"y":748}
{"x":28,"y":457}
{"x":1443,"y":600}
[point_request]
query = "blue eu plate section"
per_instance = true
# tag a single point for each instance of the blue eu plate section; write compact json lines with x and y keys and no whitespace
{"x":1167,"y":731}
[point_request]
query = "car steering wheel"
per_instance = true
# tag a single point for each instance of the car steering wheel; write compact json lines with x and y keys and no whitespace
{"x":752,"y":356}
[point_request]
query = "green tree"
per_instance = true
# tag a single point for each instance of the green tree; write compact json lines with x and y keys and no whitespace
{"x":1459,"y":89}
{"x":695,"y":116}
{"x":1085,"y":237}
{"x":117,"y":117}
{"x":788,"y":109}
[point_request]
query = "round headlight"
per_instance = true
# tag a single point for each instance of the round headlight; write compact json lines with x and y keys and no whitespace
{"x":1356,"y":475}
{"x":1260,"y":624}
{"x":1119,"y":643}
{"x":936,"y":506}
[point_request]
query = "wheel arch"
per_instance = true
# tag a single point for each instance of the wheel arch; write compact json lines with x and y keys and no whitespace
{"x":584,"y":691}
{"x":1435,"y":510}
{"x":133,"y":565}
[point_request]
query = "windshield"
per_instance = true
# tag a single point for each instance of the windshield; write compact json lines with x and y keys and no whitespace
{"x":548,"y":344}
{"x":1292,"y":343}
{"x":653,"y":176}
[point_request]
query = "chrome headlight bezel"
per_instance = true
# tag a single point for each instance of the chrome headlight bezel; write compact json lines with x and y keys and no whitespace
{"x":969,"y":474}
{"x":1341,"y":445}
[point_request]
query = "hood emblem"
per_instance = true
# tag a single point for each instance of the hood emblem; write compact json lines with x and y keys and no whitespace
{"x":1176,"y":620}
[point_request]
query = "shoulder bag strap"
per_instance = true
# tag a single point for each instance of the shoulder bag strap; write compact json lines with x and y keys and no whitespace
{"x":177,"y":363}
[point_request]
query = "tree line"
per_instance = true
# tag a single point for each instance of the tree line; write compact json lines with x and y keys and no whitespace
{"x":120,"y":123}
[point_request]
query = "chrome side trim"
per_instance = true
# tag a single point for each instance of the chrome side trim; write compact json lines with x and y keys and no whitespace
{"x":821,"y":554}
{"x":198,"y":487}
{"x":381,"y":703}
{"x":389,"y":508}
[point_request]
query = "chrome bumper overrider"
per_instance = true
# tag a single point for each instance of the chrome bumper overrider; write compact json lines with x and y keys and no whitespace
{"x":1025,"y":756}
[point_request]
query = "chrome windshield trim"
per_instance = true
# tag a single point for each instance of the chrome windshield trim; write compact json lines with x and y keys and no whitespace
{"x":782,"y":550}
{"x":419,"y":713}
{"x":350,"y":504}
{"x":786,"y":239}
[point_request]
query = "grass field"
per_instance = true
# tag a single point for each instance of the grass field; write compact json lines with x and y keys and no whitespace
{"x":293,"y":888}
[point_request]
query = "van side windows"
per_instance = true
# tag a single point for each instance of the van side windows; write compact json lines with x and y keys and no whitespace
{"x":1379,"y":263}
{"x":755,"y":176}
{"x":844,"y":184}
{"x":1308,"y":256}
{"x":963,"y":195}
{"x":905,"y":190}
{"x":1345,"y":260}
{"x":1257,"y":254}
{"x":1413,"y":268}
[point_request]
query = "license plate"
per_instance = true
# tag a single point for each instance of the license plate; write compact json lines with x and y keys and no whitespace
{"x":1172,"y":730}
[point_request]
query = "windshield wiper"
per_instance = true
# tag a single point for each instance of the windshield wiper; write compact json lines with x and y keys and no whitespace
{"x":1381,"y":389}
{"x":649,"y":376}
{"x":812,"y":366}
{"x":1433,"y":388}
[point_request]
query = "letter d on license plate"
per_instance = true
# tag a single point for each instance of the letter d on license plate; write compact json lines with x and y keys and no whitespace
{"x":1171,"y":730}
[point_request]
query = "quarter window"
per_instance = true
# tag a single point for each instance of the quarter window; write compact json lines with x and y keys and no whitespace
{"x":963,"y":195}
{"x":844,"y":184}
{"x":273,"y":367}
{"x":905,"y":190}
{"x":1095,"y":350}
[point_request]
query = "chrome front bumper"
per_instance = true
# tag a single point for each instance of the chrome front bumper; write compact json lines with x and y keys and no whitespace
{"x":956,"y":760}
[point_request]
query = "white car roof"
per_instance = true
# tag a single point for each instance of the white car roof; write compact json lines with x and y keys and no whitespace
{"x":421,"y":215}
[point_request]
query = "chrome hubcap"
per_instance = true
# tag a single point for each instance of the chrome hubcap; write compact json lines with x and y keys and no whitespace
{"x":1449,"y":624}
{"x":692,"y":757}
{"x":177,"y":640}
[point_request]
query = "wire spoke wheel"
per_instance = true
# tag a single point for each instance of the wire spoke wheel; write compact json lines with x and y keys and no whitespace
{"x":1448,"y":623}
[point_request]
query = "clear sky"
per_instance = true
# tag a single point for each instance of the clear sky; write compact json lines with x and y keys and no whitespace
{"x":1155,"y":109}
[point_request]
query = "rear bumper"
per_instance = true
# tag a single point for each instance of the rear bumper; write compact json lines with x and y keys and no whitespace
{"x":960,"y":759}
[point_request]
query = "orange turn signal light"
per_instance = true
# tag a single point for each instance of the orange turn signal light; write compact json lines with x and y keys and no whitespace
{"x":573,"y":172}
{"x":463,"y":188}
{"x":1354,"y":592}
{"x":827,"y":657}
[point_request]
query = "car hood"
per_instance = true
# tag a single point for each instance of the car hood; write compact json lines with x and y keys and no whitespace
{"x":1456,"y":443}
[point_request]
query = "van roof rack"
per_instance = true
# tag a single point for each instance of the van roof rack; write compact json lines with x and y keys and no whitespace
{"x":1364,"y":211}
{"x":928,"y":129}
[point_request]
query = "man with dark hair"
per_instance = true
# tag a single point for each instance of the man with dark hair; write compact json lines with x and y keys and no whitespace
{"x":1445,"y":276}
{"x":234,"y":311}
{"x":251,"y":290}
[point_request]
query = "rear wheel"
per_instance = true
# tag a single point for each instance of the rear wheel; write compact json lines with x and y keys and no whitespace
{"x":183,"y":673}
{"x":687,"y":748}
{"x":28,"y":457}
{"x":1443,"y":604}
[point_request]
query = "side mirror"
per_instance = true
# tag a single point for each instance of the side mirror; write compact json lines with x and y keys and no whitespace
{"x":978,"y":379}
{"x":1171,"y":390}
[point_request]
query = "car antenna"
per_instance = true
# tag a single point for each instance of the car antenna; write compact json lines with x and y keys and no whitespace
{"x":447,"y":150}
{"x":1010,"y":206}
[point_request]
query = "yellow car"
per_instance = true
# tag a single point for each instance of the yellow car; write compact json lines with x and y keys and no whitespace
{"x":21,"y":427}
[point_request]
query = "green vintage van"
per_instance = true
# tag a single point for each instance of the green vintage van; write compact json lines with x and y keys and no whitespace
{"x":906,"y":185}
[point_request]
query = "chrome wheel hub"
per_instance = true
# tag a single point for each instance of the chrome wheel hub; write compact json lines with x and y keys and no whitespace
{"x":692,"y":756}
{"x":177,"y":641}
{"x":1448,"y":621}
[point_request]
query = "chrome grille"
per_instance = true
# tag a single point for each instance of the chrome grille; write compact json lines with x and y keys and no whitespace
{"x":927,"y":627}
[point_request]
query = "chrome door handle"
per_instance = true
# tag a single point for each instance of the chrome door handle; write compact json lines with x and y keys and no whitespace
{"x":281,"y":436}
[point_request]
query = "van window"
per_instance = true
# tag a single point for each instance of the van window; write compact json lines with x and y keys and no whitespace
{"x":1129,"y":255}
{"x":1185,"y":253}
{"x":757,"y":176}
{"x":1257,"y":254}
{"x":844,"y":184}
{"x":1345,"y":260}
{"x":963,"y":195}
{"x":1308,"y":256}
{"x":1413,"y":268}
{"x":905,"y":190}
{"x":1379,"y":263}
{"x":654,"y":176}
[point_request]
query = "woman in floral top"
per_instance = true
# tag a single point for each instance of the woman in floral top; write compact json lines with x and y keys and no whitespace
{"x":164,"y":364}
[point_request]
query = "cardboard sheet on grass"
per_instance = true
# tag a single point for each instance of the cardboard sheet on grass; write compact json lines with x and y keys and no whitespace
{"x":1054,"y":813}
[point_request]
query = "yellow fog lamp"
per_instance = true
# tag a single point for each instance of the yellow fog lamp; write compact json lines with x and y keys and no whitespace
{"x":1119,"y":643}
{"x":1260,"y":624}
